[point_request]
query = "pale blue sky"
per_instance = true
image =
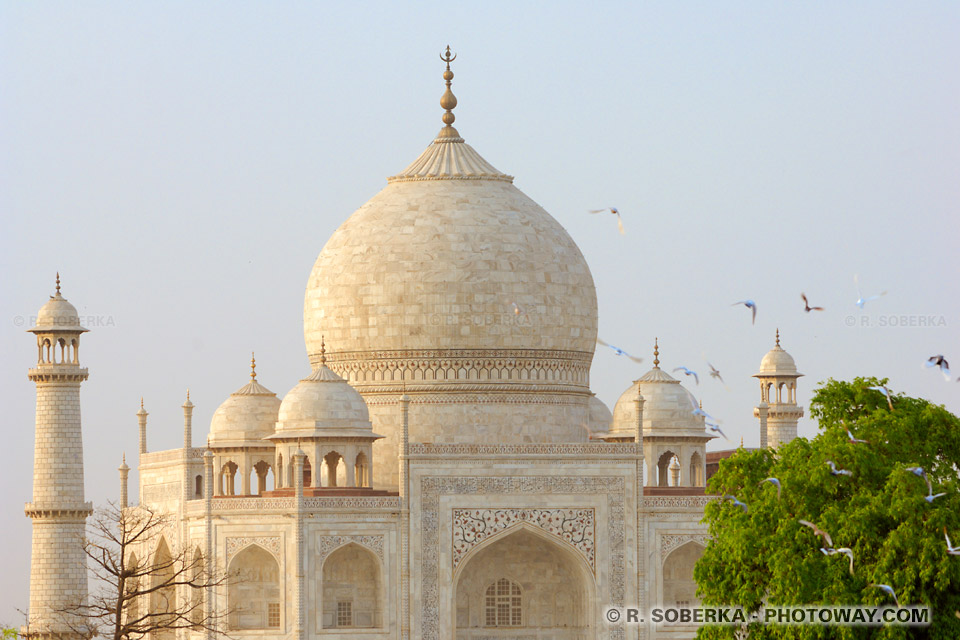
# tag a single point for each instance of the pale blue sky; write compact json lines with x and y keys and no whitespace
{"x":182,"y":165}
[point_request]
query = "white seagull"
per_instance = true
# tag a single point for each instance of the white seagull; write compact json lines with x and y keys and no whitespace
{"x":614,"y":211}
{"x":939,"y":361}
{"x":861,"y":300}
{"x":888,"y":590}
{"x":750,"y":304}
{"x":713,"y":426}
{"x":952,"y":550}
{"x":774,"y":482}
{"x":856,"y":440}
{"x":838,"y":472}
{"x":817,"y":531}
{"x":619,"y":351}
{"x":689,"y":373}
{"x":715,"y":373}
{"x":886,"y":394}
{"x":736,"y":502}
{"x":847,"y":551}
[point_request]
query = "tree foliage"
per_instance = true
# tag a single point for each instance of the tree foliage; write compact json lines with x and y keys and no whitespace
{"x":897,"y":537}
{"x":144,"y":585}
{"x":7,"y":633}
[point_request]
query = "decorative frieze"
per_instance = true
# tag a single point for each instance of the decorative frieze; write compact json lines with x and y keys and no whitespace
{"x":503,"y":449}
{"x":273,"y":544}
{"x":671,"y":541}
{"x":576,"y":527}
{"x":161,"y":492}
{"x":328,"y":544}
{"x":676,"y":502}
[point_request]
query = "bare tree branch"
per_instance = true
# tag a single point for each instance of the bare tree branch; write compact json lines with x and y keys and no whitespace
{"x":144,"y":584}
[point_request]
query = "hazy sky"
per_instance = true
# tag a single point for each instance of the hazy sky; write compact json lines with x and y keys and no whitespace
{"x":182,"y":165}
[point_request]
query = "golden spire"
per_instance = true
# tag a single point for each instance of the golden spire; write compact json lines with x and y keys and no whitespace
{"x":188,"y":395}
{"x":448,"y":101}
{"x":656,"y":353}
{"x":141,"y":402}
{"x":323,"y":352}
{"x":58,"y":283}
{"x":778,"y":336}
{"x":253,"y":367}
{"x":741,"y":442}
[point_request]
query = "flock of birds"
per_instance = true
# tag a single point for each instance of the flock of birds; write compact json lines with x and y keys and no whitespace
{"x":828,"y":549}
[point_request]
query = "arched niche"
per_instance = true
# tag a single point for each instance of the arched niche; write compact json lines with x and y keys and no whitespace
{"x":351,"y":589}
{"x":163,"y":599}
{"x":555,"y":586}
{"x":253,"y":594}
{"x":679,"y":587}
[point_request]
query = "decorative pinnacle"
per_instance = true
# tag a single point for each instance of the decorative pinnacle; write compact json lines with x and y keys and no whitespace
{"x":448,"y":101}
{"x":58,"y":283}
{"x":778,"y":336}
{"x":141,"y":402}
{"x":656,"y":353}
{"x":253,"y":367}
{"x":741,"y":442}
{"x":323,"y":352}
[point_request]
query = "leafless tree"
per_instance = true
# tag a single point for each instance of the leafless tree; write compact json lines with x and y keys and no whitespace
{"x":143,"y":585}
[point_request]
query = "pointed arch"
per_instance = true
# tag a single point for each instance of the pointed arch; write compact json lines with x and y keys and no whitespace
{"x":351,"y":588}
{"x":132,"y":587}
{"x":663,"y":468}
{"x":557,"y":585}
{"x":163,"y":597}
{"x":254,"y":596}
{"x":679,"y":587}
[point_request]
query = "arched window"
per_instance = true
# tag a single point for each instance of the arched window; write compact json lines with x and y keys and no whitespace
{"x":696,"y":470}
{"x":663,"y":468}
{"x":198,"y":487}
{"x":503,"y":604}
{"x":351,"y":589}
{"x":254,"y":596}
{"x":196,"y":595}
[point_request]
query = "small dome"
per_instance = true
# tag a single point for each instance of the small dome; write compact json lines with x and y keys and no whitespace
{"x":247,"y":417}
{"x":323,"y":405}
{"x":600,"y":416}
{"x":57,"y":315}
{"x":667,"y":408}
{"x":777,"y":362}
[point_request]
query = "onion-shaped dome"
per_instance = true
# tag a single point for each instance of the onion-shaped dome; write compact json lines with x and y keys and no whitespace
{"x":57,"y":315}
{"x":778,"y":362}
{"x":247,"y":417}
{"x":323,"y":405}
{"x":667,"y":408}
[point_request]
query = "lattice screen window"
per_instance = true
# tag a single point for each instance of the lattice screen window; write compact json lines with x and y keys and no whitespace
{"x":503,"y":604}
{"x":273,"y":615}
{"x":345,"y":613}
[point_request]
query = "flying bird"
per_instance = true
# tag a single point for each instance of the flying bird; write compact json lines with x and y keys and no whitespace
{"x":888,"y":590}
{"x":844,"y":550}
{"x":861,"y":300}
{"x":856,"y":440}
{"x":774,"y":482}
{"x":516,"y":308}
{"x":886,"y":394}
{"x":920,"y":473}
{"x":736,"y":502}
{"x":939,"y":361}
{"x":806,"y":304}
{"x":619,"y":351}
{"x":713,"y":426}
{"x":838,"y":472}
{"x":952,"y":550}
{"x":931,"y":497}
{"x":817,"y":531}
{"x":714,"y":373}
{"x":689,"y":373}
{"x":750,"y":304}
{"x":614,"y":211}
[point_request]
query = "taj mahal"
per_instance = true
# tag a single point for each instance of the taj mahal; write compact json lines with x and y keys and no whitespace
{"x":443,"y":470}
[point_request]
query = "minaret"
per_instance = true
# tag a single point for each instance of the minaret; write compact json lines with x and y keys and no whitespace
{"x":778,"y":410}
{"x":142,"y":422}
{"x":58,"y":565}
{"x":124,"y":475}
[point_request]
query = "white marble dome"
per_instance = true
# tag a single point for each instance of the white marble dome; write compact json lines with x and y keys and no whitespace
{"x":247,"y":417}
{"x":438,"y":259}
{"x":323,"y":404}
{"x":667,"y":408}
{"x":777,"y":361}
{"x":57,"y":314}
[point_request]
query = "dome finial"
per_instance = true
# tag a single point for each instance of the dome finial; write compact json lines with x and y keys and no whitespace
{"x":448,"y":101}
{"x":656,"y":353}
{"x":778,"y":336}
{"x":253,"y":367}
{"x":323,"y":352}
{"x":58,"y":283}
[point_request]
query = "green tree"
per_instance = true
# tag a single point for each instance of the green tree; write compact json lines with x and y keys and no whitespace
{"x":764,"y":555}
{"x":7,"y":633}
